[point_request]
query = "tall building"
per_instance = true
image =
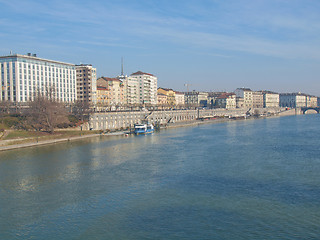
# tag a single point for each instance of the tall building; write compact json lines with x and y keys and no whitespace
{"x":147,"y":87}
{"x":246,"y":94}
{"x":22,"y":77}
{"x":86,"y":83}
{"x":131,"y":86}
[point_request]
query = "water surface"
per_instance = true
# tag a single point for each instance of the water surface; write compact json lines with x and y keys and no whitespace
{"x":255,"y":179}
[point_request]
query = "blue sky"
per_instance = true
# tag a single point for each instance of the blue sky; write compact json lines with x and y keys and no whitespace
{"x":211,"y":44}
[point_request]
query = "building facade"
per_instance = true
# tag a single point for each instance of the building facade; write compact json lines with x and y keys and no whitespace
{"x":115,"y":89}
{"x":270,"y":99}
{"x":22,"y":77}
{"x":179,"y":98}
{"x":293,"y":100}
{"x":86,"y":83}
{"x":226,"y":100}
{"x":171,"y":98}
{"x":196,"y":98}
{"x":311,"y":101}
{"x":247,"y":96}
{"x":257,"y":100}
{"x":146,"y":87}
{"x":162,"y":100}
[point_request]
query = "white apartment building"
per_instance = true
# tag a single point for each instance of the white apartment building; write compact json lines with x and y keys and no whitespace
{"x":146,"y":89}
{"x":247,"y":96}
{"x":22,"y":77}
{"x":131,"y":91}
{"x":292,"y":100}
{"x":179,"y":98}
{"x":270,"y":99}
{"x":86,"y":83}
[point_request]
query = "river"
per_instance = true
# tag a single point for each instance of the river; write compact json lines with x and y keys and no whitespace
{"x":252,"y":179}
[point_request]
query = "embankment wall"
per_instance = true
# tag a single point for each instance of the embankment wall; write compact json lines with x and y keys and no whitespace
{"x":118,"y":120}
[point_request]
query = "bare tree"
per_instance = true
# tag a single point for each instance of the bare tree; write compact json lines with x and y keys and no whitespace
{"x":5,"y":107}
{"x":45,"y":113}
{"x":81,"y":110}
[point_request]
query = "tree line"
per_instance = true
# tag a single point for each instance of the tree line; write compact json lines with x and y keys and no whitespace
{"x":43,"y":113}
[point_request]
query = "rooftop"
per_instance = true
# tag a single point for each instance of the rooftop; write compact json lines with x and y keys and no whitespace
{"x":141,"y":73}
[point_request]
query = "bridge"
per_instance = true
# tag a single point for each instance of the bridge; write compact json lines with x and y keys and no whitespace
{"x":305,"y":109}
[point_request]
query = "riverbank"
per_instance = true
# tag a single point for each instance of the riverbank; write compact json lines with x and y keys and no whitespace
{"x":38,"y":142}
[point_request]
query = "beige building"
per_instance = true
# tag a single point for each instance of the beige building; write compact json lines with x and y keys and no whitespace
{"x":311,"y":101}
{"x":102,"y":96}
{"x":270,"y":99}
{"x":22,"y":77}
{"x":171,"y":99}
{"x":162,"y":100}
{"x":86,"y":83}
{"x":257,"y":100}
{"x":247,"y":96}
{"x":115,"y":89}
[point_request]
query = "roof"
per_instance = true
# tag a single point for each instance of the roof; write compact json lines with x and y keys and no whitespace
{"x":166,"y":89}
{"x":110,"y":79}
{"x":141,"y":73}
{"x":34,"y":57}
{"x":245,"y":89}
{"x":225,"y":95}
{"x":101,"y":88}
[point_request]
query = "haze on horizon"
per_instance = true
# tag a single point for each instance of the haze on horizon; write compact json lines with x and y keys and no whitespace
{"x":213,"y":45}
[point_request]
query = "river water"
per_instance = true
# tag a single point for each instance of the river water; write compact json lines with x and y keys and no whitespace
{"x":253,"y":179}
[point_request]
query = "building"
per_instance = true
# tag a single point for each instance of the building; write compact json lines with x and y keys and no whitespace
{"x":239,"y":102}
{"x":162,"y":100}
{"x":103,"y":96}
{"x":115,"y":89}
{"x":179,"y":98}
{"x":226,"y":100}
{"x":293,"y":100}
{"x":171,"y":98}
{"x":196,"y":98}
{"x":311,"y":101}
{"x":257,"y":100}
{"x":22,"y":77}
{"x":247,"y":96}
{"x":270,"y":99}
{"x":86,"y":83}
{"x":146,"y":84}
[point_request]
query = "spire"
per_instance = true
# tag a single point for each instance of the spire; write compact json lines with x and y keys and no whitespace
{"x":122,"y":66}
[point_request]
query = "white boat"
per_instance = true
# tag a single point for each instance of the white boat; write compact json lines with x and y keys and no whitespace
{"x":143,"y":128}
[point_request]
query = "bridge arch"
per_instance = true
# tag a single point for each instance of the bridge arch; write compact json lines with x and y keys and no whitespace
{"x":306,"y":109}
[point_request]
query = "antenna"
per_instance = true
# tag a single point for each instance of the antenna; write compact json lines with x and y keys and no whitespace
{"x":187,"y":85}
{"x":122,"y":66}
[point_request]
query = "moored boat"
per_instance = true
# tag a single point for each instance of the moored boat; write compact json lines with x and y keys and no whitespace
{"x":143,"y":128}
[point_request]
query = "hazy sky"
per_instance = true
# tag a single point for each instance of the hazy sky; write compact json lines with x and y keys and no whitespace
{"x":210,"y":44}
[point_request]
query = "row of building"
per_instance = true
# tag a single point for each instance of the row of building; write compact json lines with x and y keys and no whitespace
{"x":240,"y":98}
{"x":22,"y":77}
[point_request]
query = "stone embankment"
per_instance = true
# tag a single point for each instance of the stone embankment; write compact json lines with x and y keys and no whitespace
{"x":124,"y":120}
